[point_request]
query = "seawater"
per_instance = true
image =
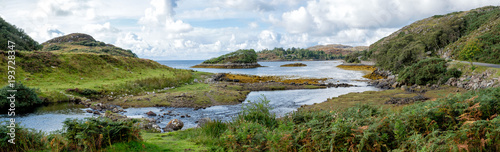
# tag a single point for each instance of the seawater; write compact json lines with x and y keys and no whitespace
{"x":50,"y":118}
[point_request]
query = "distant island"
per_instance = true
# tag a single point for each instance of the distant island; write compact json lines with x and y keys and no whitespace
{"x":315,"y":53}
{"x":240,"y":59}
{"x":293,"y":65}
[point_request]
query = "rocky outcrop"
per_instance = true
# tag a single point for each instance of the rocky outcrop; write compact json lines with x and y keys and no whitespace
{"x":228,"y":66}
{"x":173,"y":125}
{"x":389,"y":83}
{"x":474,"y":82}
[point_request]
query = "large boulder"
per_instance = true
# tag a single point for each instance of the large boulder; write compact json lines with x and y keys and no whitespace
{"x":173,"y":125}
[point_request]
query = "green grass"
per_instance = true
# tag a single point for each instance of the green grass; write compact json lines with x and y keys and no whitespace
{"x":172,"y":141}
{"x":58,"y":72}
{"x":132,"y":147}
{"x":467,"y":70}
{"x":193,"y":95}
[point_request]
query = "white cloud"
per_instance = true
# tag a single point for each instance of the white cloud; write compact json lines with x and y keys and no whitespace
{"x":198,"y":29}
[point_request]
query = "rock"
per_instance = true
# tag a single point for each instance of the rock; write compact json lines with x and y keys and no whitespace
{"x":97,"y":112}
{"x":395,"y":85}
{"x":183,"y":116}
{"x":203,"y":121}
{"x":156,"y":127}
{"x":115,"y":110}
{"x":89,"y":111}
{"x":404,"y":87}
{"x":173,"y":125}
{"x":151,"y":113}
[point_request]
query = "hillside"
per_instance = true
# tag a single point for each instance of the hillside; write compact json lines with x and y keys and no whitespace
{"x":337,"y":49}
{"x":83,"y":43}
{"x":12,"y":33}
{"x":234,"y":60}
{"x":296,"y":54}
{"x":445,"y":36}
{"x":59,"y":76}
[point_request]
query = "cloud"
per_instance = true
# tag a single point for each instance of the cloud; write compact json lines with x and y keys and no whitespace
{"x":46,"y":32}
{"x":161,"y":14}
{"x":102,"y":32}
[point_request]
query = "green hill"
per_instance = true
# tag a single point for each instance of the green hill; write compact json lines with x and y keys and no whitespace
{"x":83,"y":43}
{"x":12,"y":33}
{"x":240,"y":59}
{"x":442,"y":36}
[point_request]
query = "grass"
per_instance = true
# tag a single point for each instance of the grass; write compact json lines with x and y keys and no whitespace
{"x":467,"y":70}
{"x":376,"y":98}
{"x":194,"y":95}
{"x":103,"y":73}
{"x":172,"y":141}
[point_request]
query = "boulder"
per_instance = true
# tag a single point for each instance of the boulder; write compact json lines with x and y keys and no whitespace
{"x":203,"y":121}
{"x":173,"y":125}
{"x":151,"y":113}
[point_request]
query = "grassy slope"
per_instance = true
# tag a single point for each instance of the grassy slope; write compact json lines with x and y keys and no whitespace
{"x":441,"y":35}
{"x":103,"y":73}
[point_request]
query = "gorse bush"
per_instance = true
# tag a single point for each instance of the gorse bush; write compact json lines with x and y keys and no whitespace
{"x":95,"y":133}
{"x":26,"y":99}
{"x":428,"y":71}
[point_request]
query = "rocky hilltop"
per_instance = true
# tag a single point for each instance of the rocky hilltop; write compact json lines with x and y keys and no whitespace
{"x":241,"y":59}
{"x":83,"y":43}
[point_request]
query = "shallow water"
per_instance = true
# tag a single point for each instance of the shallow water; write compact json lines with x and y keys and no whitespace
{"x":50,"y":118}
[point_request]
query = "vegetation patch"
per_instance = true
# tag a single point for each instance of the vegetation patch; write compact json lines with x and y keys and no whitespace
{"x":293,"y":65}
{"x":239,"y":56}
{"x":257,"y":79}
{"x":26,"y":99}
{"x":299,"y":54}
{"x":428,"y":71}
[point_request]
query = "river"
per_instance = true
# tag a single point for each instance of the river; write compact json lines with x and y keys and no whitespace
{"x":50,"y":118}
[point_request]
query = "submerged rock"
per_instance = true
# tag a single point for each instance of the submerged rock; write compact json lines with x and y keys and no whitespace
{"x":151,"y":113}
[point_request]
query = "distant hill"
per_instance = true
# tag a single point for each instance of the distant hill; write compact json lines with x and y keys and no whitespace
{"x":83,"y":43}
{"x":337,"y":49}
{"x":298,"y":54}
{"x":12,"y":33}
{"x":442,"y":36}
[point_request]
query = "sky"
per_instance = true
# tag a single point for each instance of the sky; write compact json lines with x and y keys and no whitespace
{"x":202,"y":29}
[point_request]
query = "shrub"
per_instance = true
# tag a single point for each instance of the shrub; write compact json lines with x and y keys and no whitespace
{"x":214,"y":128}
{"x":258,"y":112}
{"x":95,"y":133}
{"x":427,"y":71}
{"x":25,"y":140}
{"x":26,"y":99}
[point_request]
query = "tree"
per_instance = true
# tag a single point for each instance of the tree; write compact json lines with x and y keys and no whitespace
{"x":471,"y":48}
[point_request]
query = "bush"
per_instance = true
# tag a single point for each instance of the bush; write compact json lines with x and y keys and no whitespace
{"x":25,"y":140}
{"x":258,"y":112}
{"x":26,"y":99}
{"x":96,"y":133}
{"x":427,"y":71}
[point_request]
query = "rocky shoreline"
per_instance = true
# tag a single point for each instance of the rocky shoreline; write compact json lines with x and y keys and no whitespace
{"x":228,"y":66}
